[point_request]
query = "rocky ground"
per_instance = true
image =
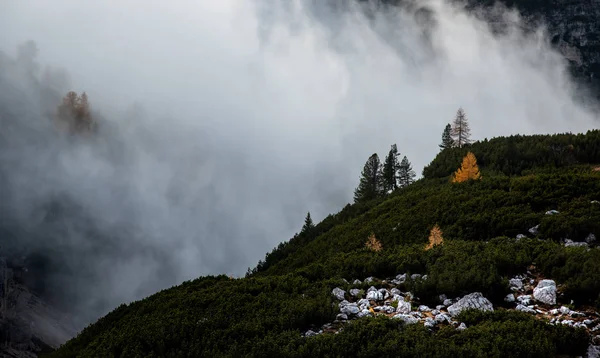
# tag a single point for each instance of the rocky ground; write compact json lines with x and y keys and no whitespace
{"x":531,"y":293}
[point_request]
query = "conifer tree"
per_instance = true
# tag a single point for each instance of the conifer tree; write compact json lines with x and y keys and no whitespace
{"x":406,"y":174}
{"x":447,"y":141}
{"x":308,"y":225}
{"x":435,"y":237}
{"x":468,"y":170}
{"x":460,"y":129}
{"x":370,"y":186}
{"x":390,"y":170}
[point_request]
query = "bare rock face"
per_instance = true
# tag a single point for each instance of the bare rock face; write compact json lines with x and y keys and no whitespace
{"x":473,"y":300}
{"x":545,"y":292}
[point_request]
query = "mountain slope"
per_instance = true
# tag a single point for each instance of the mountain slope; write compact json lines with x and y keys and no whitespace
{"x":273,"y":309}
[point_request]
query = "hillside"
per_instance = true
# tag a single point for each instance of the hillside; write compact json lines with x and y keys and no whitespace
{"x":518,"y":248}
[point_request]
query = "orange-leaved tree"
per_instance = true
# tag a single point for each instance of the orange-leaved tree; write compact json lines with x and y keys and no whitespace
{"x":435,"y":237}
{"x":468,"y":170}
{"x":373,"y":244}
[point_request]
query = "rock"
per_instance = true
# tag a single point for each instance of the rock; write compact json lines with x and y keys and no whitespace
{"x":439,"y":307}
{"x":442,"y":317}
{"x":564,"y":310}
{"x":594,"y":202}
{"x":350,"y":310}
{"x":525,"y":309}
{"x":385,"y":293}
{"x":397,"y":298}
{"x":343,"y":303}
{"x":401,"y":278}
{"x":568,"y":322}
{"x":310,"y":333}
{"x":435,"y":312}
{"x":429,"y":322}
{"x":394,"y":291}
{"x":355,"y":292}
{"x":385,"y":309}
{"x":424,"y":308}
{"x":357,"y":282}
{"x":516,"y":283}
{"x":369,"y":279}
{"x":447,"y":302}
{"x":424,"y":278}
{"x":554,"y":312}
{"x":545,"y":292}
{"x":364,"y":313}
{"x":524,"y":299}
{"x":403,"y":307}
{"x":415,"y":276}
{"x":407,"y":319}
{"x":590,"y":239}
{"x":417,"y":314}
{"x":509,"y":298}
{"x":341,"y":317}
{"x":363,"y":303}
{"x":442,"y":297}
{"x":462,"y":326}
{"x":372,"y":288}
{"x":338,"y":293}
{"x":473,"y":300}
{"x":374,"y":296}
{"x":588,"y":322}
{"x":521,"y":236}
{"x":593,"y":351}
{"x":576,"y":314}
{"x":571,"y":243}
{"x":534,"y":230}
{"x":552,"y":212}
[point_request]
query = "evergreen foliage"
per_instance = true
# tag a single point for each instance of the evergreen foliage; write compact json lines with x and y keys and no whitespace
{"x":308,"y":226}
{"x":390,"y":170}
{"x":447,"y":141}
{"x":406,"y":174}
{"x":371,"y":181}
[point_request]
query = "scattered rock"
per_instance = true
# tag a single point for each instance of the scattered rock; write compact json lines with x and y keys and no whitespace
{"x":403,"y":307}
{"x":424,"y":278}
{"x":350,"y":310}
{"x":415,"y":276}
{"x":593,"y":351}
{"x":372,"y":288}
{"x":545,"y":292}
{"x":429,"y":322}
{"x":400,"y":278}
{"x":462,"y":326}
{"x":554,"y":312}
{"x":590,"y":239}
{"x":407,"y":319}
{"x":357,"y":282}
{"x":364,"y":313}
{"x":363,"y":303}
{"x":342,"y":317}
{"x":397,"y":298}
{"x":339,"y":293}
{"x":525,"y":309}
{"x":521,"y":236}
{"x":509,"y":298}
{"x":442,"y":297}
{"x":552,"y":212}
{"x":442,"y":317}
{"x":571,"y":243}
{"x":369,"y":279}
{"x":588,"y":322}
{"x":515,"y":283}
{"x":374,"y":296}
{"x":447,"y":302}
{"x":525,"y":300}
{"x":310,"y":333}
{"x":385,"y":293}
{"x":473,"y":300}
{"x":439,"y":307}
{"x":355,"y":292}
{"x":423,"y":308}
{"x":394,"y":291}
{"x":564,"y":310}
{"x":385,"y":309}
{"x":534,"y":230}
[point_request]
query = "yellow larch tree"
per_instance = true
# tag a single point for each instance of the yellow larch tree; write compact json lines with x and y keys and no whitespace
{"x":373,"y":244}
{"x":468,"y":170}
{"x":435,"y":237}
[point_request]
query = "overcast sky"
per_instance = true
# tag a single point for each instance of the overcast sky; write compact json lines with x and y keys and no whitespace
{"x":241,"y":116}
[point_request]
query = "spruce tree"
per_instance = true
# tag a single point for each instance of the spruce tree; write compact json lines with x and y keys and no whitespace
{"x":308,"y":225}
{"x":390,"y":170}
{"x":370,"y":186}
{"x":460,"y":129}
{"x":447,"y":141}
{"x":406,"y":174}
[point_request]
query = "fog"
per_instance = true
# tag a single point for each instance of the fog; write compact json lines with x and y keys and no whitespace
{"x":224,"y":122}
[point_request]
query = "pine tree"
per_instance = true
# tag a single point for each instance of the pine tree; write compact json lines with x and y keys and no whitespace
{"x":373,"y":244}
{"x":308,"y":225}
{"x":390,"y":170}
{"x":406,"y":175}
{"x":468,"y":169}
{"x":447,"y":141}
{"x":460,"y":129}
{"x":370,"y":186}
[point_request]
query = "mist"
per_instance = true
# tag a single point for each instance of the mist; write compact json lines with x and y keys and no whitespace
{"x":224,"y":122}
